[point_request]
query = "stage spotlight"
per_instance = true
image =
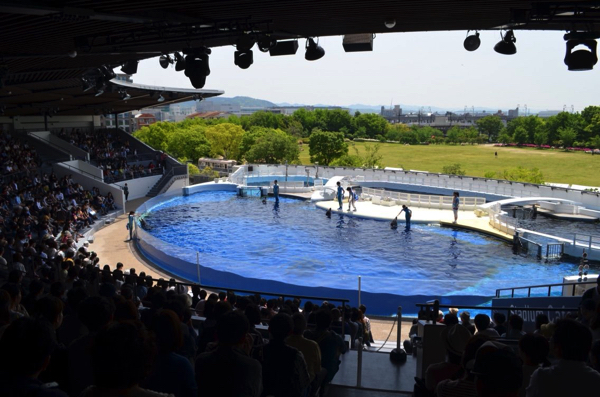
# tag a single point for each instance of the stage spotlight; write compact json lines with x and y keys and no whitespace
{"x":86,"y":84}
{"x":124,"y":95}
{"x":506,"y":46}
{"x":197,"y":67}
{"x":179,"y":62}
{"x":164,"y":61}
{"x":287,"y":47}
{"x":390,"y":23}
{"x":582,"y":59}
{"x":313,"y":50}
{"x":72,"y":54}
{"x":245,"y":42}
{"x":160,"y":98}
{"x":266,"y":43}
{"x":472,"y":42}
{"x":243,"y":59}
{"x":130,"y":67}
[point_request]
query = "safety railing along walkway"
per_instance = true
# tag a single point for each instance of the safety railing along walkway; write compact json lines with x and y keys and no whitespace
{"x":420,"y":200}
{"x":568,"y":288}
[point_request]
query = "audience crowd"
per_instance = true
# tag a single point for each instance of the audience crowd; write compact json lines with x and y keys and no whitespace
{"x":112,"y":154}
{"x":17,"y":157}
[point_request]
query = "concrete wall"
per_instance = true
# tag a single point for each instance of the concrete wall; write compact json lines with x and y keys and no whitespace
{"x":139,"y":187}
{"x":89,"y":182}
{"x":85,"y":168}
{"x":56,"y":142}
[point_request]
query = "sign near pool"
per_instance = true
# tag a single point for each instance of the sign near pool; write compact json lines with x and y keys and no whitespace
{"x":557,"y":308}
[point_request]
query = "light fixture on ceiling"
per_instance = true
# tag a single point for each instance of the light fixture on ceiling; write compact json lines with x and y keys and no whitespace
{"x":472,"y":42}
{"x":266,"y":43}
{"x":130,"y":67}
{"x":506,"y":46}
{"x":124,"y":95}
{"x":197,"y":66}
{"x":313,"y":50}
{"x":287,"y":47}
{"x":179,"y":62}
{"x":582,"y":59}
{"x":243,"y":59}
{"x":72,"y":54}
{"x":390,"y":23}
{"x":160,"y":98}
{"x":358,"y":42}
{"x":165,"y":61}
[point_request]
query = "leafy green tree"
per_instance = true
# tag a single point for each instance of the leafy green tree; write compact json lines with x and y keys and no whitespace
{"x":372,"y":158}
{"x":520,"y":135}
{"x":567,"y":136}
{"x":326,"y":146}
{"x":273,"y":147}
{"x":156,"y":135}
{"x":454,"y":134}
{"x":453,"y":169}
{"x":370,"y":124}
{"x":188,"y":142}
{"x":295,"y":128}
{"x":504,"y":138}
{"x":490,"y":126}
{"x":334,"y":119}
{"x":530,"y":124}
{"x":541,"y":137}
{"x":225,"y":140}
{"x":561,"y":120}
{"x":595,"y":141}
{"x":193,"y":169}
{"x":348,"y":160}
{"x":308,"y":120}
{"x":471,"y":135}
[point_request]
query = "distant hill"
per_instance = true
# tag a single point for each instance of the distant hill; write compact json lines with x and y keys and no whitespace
{"x":243,"y":101}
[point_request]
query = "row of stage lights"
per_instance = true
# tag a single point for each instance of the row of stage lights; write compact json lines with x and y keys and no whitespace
{"x":580,"y":60}
{"x":195,"y":62}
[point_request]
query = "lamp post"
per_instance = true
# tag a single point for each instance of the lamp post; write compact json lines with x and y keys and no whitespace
{"x":317,"y":172}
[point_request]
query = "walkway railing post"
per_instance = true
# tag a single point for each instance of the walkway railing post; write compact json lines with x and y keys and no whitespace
{"x":359,"y":288}
{"x":399,"y":328}
{"x":198,"y":265}
{"x":359,"y":363}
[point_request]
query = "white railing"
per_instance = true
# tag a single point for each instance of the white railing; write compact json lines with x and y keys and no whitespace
{"x":503,"y":223}
{"x":419,"y":200}
{"x":451,"y":182}
{"x":587,"y":241}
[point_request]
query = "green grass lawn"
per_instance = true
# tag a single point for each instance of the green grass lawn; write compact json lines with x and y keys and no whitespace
{"x":556,"y":165}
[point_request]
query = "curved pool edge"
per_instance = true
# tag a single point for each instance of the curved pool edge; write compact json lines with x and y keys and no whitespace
{"x":160,"y":253}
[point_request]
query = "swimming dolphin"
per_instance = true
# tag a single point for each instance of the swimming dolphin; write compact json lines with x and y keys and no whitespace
{"x":328,"y":213}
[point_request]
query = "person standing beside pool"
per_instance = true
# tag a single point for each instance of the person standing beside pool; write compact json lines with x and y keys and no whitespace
{"x":276,"y":191}
{"x":130,"y":222}
{"x":455,"y":205}
{"x":407,"y":215}
{"x":351,"y":198}
{"x":340,"y":194}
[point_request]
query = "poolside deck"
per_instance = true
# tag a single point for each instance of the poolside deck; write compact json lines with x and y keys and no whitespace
{"x":466,"y":219}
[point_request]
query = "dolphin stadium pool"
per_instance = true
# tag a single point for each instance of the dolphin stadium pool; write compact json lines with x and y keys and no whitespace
{"x":297,"y":248}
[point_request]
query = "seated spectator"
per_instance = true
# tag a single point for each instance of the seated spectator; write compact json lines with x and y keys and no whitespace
{"x":498,"y":371}
{"x":228,"y":371}
{"x":172,"y":373}
{"x":587,"y":309}
{"x":482,"y":323}
{"x":592,"y":293}
{"x":95,"y":313}
{"x":284,"y":369}
{"x":571,"y":376}
{"x":464,"y":386}
{"x":200,"y":305}
{"x":455,"y":340}
{"x":309,"y":349}
{"x":16,"y":309}
{"x":540,"y":320}
{"x":25,"y":348}
{"x":122,"y":357}
{"x":533,"y":350}
{"x":50,"y":309}
{"x":252,"y":313}
{"x":465,"y":318}
{"x":515,"y":327}
{"x":331,"y":344}
{"x":500,"y":321}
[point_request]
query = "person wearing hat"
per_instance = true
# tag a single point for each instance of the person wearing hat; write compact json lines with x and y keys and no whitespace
{"x":455,"y":339}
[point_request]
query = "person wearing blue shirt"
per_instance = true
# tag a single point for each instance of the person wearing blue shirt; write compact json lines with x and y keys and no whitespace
{"x":407,"y":215}
{"x":276,"y":191}
{"x":455,"y":205}
{"x":340,"y":194}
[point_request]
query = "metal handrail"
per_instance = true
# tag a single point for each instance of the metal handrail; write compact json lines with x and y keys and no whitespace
{"x":549,"y":286}
{"x":83,"y":172}
{"x":49,"y":143}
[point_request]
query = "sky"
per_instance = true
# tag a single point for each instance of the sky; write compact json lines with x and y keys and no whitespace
{"x":424,"y":69}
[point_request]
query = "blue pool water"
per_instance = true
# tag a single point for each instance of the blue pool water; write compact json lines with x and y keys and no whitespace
{"x":297,"y":244}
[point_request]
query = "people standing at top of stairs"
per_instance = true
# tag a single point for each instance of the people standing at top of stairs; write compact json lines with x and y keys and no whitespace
{"x":340,"y":195}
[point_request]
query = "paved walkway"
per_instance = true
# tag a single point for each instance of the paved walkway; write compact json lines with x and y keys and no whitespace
{"x":466,"y":219}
